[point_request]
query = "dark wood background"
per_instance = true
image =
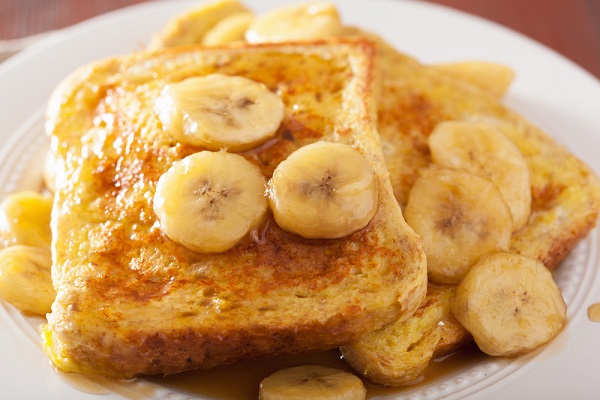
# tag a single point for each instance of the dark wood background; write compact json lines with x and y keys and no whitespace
{"x":571,"y":27}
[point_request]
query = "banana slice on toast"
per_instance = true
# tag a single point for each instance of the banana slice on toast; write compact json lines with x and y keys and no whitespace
{"x":510,"y":304}
{"x":483,"y":149}
{"x":460,"y":216}
{"x":218,"y":111}
{"x":324,"y":190}
{"x":209,"y":201}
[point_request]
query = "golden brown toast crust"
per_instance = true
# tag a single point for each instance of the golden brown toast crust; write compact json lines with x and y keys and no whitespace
{"x":130,"y":301}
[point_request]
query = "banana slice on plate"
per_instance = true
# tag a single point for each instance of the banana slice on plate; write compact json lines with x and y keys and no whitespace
{"x":220,"y":112}
{"x":510,"y":304}
{"x":25,"y":278}
{"x":25,"y":219}
{"x":483,"y":149}
{"x":305,"y":21}
{"x":324,"y":190}
{"x":460,"y":217}
{"x":228,"y":30}
{"x":312,"y":382}
{"x":209,"y":201}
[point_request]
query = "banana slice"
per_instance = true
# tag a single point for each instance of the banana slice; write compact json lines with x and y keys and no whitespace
{"x":492,"y":77}
{"x":191,"y":26}
{"x":324,"y":191}
{"x":510,"y":304}
{"x":228,"y":30}
{"x":209,"y":201}
{"x":25,"y":219}
{"x":483,"y":149}
{"x":312,"y":382}
{"x":460,"y":217}
{"x":25,"y":278}
{"x":219,"y":111}
{"x":306,"y":21}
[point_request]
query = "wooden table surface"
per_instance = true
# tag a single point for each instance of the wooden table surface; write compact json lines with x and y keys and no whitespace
{"x":571,"y":27}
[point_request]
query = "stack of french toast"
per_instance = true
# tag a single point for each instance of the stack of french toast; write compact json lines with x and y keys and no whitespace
{"x":255,"y":185}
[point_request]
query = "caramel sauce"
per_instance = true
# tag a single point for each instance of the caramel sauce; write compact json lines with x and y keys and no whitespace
{"x":241,"y":381}
{"x":593,"y":312}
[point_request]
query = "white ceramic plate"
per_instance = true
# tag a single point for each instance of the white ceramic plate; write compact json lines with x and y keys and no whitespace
{"x":549,"y":90}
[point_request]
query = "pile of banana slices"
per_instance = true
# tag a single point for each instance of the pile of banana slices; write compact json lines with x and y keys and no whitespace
{"x":466,"y":206}
{"x":311,"y":194}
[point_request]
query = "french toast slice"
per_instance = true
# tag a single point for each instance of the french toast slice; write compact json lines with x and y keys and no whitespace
{"x":413,"y":99}
{"x":130,"y":301}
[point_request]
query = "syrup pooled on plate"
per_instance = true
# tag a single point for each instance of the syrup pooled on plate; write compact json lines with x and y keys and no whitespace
{"x":241,"y":381}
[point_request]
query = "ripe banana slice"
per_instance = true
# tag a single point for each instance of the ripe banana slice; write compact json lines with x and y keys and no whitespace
{"x":209,"y":201}
{"x":25,"y":219}
{"x":312,"y":382}
{"x":510,"y":304}
{"x":492,"y":77}
{"x":483,"y":149}
{"x":306,"y":21}
{"x":229,"y":29}
{"x":460,"y":217}
{"x":25,"y":278}
{"x":191,"y":26}
{"x":324,"y":190}
{"x":220,"y":111}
